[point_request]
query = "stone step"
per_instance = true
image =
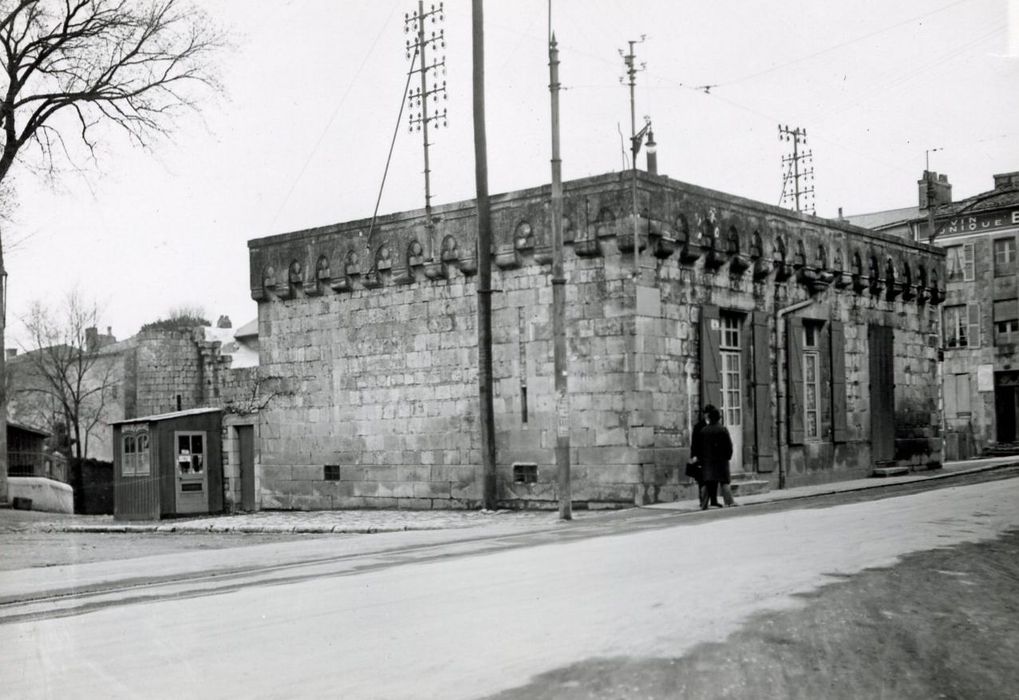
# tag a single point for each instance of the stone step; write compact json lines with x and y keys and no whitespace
{"x":889,"y":471}
{"x":747,"y":485}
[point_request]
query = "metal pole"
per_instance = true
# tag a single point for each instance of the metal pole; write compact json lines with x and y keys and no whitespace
{"x":796,"y":166}
{"x":632,"y":71}
{"x":562,"y":449}
{"x":484,"y":262}
{"x":424,"y":111}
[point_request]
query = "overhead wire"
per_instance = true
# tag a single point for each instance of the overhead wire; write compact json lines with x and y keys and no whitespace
{"x":392,"y":143}
{"x":332,"y":117}
{"x":840,"y":45}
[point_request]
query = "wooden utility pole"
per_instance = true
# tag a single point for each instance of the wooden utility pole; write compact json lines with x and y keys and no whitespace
{"x":487,"y":413}
{"x":562,"y":448}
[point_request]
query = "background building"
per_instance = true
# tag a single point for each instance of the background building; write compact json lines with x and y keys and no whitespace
{"x":980,"y":323}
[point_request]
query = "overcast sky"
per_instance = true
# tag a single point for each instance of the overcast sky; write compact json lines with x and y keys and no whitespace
{"x":313,"y":89}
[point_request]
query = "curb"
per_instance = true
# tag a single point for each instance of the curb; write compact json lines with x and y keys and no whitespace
{"x":213,"y":527}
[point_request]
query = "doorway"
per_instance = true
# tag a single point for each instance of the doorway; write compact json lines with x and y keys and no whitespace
{"x":1006,"y":406}
{"x":246,"y":441}
{"x":882,"y":393}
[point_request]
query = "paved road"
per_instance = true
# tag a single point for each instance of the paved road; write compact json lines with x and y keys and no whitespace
{"x":467,"y":618}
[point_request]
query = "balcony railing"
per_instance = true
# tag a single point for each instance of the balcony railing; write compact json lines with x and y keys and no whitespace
{"x":51,"y":465}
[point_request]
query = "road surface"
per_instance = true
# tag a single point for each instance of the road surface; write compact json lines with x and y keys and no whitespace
{"x":475,"y":618}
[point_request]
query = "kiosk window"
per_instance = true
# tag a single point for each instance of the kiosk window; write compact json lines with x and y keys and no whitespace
{"x":135,"y":454}
{"x":191,"y":453}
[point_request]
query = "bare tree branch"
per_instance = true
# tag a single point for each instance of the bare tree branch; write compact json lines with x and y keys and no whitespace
{"x":68,"y":365}
{"x":130,"y":63}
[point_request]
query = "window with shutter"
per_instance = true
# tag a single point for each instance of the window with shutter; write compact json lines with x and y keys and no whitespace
{"x":968,"y":267}
{"x":973,"y":312}
{"x":1006,"y":322}
{"x":838,"y":383}
{"x":764,"y":443}
{"x":794,"y":379}
{"x":711,"y":380}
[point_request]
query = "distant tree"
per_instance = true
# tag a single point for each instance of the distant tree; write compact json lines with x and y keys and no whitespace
{"x":71,"y":380}
{"x":178,"y":318}
{"x":67,"y":67}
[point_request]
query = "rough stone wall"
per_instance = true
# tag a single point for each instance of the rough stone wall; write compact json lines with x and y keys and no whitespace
{"x":167,"y":366}
{"x":379,"y":366}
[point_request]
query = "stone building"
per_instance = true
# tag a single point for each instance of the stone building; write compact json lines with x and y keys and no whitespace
{"x":816,"y":338}
{"x":980,"y":325}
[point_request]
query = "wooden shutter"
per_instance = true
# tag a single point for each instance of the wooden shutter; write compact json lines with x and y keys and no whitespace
{"x":794,"y":380}
{"x":764,"y":443}
{"x":838,"y":382}
{"x":973,"y":332}
{"x":711,"y":379}
{"x":968,"y":271}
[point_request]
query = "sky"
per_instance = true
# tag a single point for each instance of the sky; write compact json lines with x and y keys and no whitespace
{"x":312,"y":89}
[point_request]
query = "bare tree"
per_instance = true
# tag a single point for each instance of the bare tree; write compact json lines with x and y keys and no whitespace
{"x":69,"y":375}
{"x":71,"y":66}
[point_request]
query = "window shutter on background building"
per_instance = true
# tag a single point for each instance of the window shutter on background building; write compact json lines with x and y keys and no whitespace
{"x":711,"y":379}
{"x":794,"y":380}
{"x":968,"y":271}
{"x":973,"y":332}
{"x":763,"y":424}
{"x":838,"y":382}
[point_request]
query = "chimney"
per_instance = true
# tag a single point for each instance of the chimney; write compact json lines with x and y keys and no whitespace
{"x":931,"y":182}
{"x":652,"y":153}
{"x":91,"y":339}
{"x":224,"y":322}
{"x":1005,"y":181}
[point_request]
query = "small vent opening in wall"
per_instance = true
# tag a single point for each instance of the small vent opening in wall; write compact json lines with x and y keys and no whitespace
{"x":525,"y":473}
{"x":331,"y":472}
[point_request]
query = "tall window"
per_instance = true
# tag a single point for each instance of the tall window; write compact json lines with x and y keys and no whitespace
{"x":961,"y":326}
{"x":959,"y":262}
{"x":811,"y":382}
{"x":1005,"y":262}
{"x":1006,"y":322}
{"x":135,"y":453}
{"x":732,"y":402}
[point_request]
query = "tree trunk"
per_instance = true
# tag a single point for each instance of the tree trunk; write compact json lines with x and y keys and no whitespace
{"x":4,"y":492}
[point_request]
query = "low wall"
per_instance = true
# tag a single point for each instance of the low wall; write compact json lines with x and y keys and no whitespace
{"x":47,"y":495}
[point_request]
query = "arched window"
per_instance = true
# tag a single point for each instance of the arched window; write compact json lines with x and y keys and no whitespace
{"x":732,"y":244}
{"x":135,"y":453}
{"x":756,"y":246}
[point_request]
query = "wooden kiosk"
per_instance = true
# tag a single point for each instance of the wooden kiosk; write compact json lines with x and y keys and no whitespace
{"x":168,"y":465}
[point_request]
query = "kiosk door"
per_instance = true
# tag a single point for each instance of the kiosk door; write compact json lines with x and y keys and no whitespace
{"x":191,"y":475}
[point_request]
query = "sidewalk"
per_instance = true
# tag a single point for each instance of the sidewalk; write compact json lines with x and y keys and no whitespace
{"x":365,"y":522}
{"x":949,"y":470}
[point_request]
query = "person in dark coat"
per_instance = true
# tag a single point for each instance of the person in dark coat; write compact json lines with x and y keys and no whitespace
{"x":711,"y":448}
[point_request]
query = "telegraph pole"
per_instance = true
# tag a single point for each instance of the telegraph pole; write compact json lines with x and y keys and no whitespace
{"x":798,"y":137}
{"x":562,"y":449}
{"x":421,"y":97}
{"x":487,"y":414}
